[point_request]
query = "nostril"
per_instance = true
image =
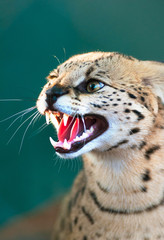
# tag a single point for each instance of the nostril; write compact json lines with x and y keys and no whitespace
{"x":56,"y":91}
{"x":53,"y":94}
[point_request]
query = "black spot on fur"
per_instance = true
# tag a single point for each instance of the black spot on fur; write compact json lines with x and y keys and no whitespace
{"x":146,"y":94}
{"x":115,"y":104}
{"x":151,"y":150}
{"x":96,"y":105}
{"x":132,"y":95}
{"x":142,"y":144}
{"x":88,"y":215}
{"x":118,"y":144}
{"x":140,"y":115}
{"x":134,"y":130}
{"x":127,"y":110}
{"x":85,"y":237}
{"x":146,"y":176}
{"x":142,"y":99}
{"x":159,"y":126}
{"x":76,"y":220}
{"x":98,"y":235}
{"x":143,"y":189}
{"x":103,"y":72}
{"x":80,"y":228}
{"x":76,"y":98}
{"x":122,"y":90}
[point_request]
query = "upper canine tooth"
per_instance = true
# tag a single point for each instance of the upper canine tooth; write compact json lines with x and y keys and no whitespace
{"x":54,"y":121}
{"x":47,"y":118}
{"x":65,"y":118}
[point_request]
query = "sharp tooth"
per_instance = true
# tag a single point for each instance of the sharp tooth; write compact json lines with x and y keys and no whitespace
{"x":91,"y":129}
{"x":54,"y":121}
{"x":77,"y":138}
{"x":47,"y":118}
{"x":65,"y":118}
{"x":85,"y":135}
{"x":66,"y":144}
{"x":52,"y":142}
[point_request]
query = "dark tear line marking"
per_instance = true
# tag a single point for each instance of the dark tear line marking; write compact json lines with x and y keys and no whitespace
{"x":87,"y":214}
{"x":91,"y":69}
{"x":121,"y":211}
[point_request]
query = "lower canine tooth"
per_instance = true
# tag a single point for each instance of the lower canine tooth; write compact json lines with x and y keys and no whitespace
{"x":52,"y":142}
{"x":47,"y":118}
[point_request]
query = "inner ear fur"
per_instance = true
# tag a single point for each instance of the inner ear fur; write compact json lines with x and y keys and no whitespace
{"x":153,"y":76}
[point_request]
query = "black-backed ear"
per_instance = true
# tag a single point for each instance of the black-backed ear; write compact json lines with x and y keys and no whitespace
{"x":153,"y":76}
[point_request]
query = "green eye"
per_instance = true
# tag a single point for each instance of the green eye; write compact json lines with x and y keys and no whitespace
{"x":94,"y":86}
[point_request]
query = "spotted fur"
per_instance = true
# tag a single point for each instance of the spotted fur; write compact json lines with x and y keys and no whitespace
{"x":119,"y":193}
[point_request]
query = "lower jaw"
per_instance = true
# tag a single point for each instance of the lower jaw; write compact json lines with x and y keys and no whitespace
{"x":99,"y":127}
{"x":76,"y":146}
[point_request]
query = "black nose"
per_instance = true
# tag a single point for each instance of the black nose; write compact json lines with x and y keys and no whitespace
{"x":53,"y":94}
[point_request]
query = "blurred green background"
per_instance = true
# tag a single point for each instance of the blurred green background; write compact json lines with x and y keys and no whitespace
{"x":31,"y":33}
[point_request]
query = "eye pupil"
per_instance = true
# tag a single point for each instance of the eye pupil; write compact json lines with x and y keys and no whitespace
{"x":94,"y":86}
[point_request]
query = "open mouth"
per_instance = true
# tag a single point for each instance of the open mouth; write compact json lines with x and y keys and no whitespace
{"x":74,"y":132}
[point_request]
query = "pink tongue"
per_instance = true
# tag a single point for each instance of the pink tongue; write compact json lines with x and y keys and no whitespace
{"x":75,"y":129}
{"x":69,"y":131}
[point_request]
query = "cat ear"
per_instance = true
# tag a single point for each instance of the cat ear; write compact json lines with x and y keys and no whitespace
{"x":153,"y":76}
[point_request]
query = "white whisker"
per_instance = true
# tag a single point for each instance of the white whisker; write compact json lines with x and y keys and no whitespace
{"x":40,"y":129}
{"x":84,"y":127}
{"x":27,"y":111}
{"x":20,"y":127}
{"x":16,"y":114}
{"x":57,"y":59}
{"x":35,"y":116}
{"x":11,"y":100}
{"x":83,"y":123}
{"x":17,"y":100}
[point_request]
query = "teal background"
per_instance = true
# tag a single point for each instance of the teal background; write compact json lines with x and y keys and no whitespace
{"x":31,"y":33}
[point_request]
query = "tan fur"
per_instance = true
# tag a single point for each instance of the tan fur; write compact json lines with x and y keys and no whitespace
{"x":119,"y":194}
